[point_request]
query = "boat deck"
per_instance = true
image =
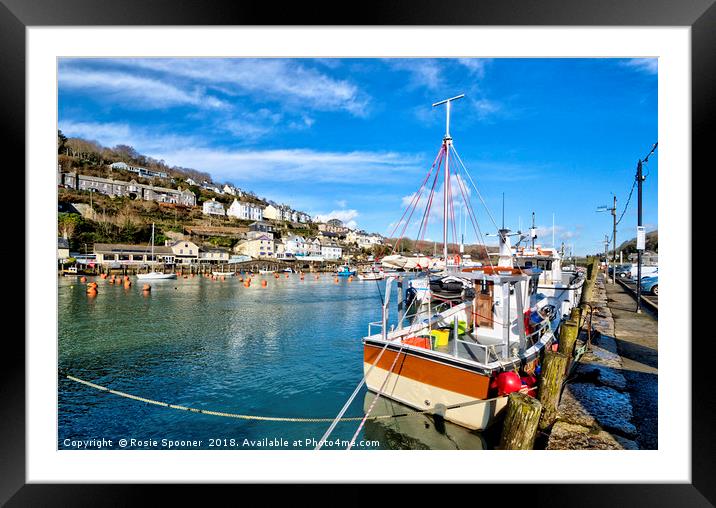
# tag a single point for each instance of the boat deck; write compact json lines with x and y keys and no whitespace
{"x":476,"y":353}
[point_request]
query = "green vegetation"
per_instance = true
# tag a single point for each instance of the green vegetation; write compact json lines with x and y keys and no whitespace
{"x":652,"y":244}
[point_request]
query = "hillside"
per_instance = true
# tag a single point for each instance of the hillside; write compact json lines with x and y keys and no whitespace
{"x":86,"y":155}
{"x":652,"y":243}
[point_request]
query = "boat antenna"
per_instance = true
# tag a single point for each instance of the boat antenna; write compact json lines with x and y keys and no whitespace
{"x":447,"y":143}
{"x":503,"y":210}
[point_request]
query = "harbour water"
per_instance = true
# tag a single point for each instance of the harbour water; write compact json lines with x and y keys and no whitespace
{"x":291,"y":349}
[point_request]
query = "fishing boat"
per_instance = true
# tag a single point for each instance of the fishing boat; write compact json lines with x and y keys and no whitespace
{"x":471,"y":334}
{"x":345,"y":271}
{"x":155,"y":275}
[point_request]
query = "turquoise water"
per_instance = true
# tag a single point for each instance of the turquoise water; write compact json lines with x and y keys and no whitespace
{"x":291,"y":349}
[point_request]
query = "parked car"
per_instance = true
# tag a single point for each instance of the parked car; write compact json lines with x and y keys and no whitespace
{"x":650,"y":285}
{"x":646,"y":271}
{"x":622,"y":271}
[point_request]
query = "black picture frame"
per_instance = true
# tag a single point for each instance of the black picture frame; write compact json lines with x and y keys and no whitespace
{"x":700,"y":15}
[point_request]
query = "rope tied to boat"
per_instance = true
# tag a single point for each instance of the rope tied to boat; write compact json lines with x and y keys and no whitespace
{"x":287,"y":419}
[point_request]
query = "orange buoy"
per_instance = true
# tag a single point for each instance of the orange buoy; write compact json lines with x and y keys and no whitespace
{"x":103,"y":276}
{"x":264,"y":283}
{"x":223,"y":278}
{"x":83,"y":279}
{"x":146,"y":288}
{"x":241,"y":279}
{"x":126,"y":277}
{"x":127,"y":284}
{"x":335,"y":280}
{"x":287,"y":276}
{"x":350,"y":278}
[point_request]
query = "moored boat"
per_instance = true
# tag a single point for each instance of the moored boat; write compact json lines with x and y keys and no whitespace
{"x":471,"y":334}
{"x":154,"y":274}
{"x":345,"y":271}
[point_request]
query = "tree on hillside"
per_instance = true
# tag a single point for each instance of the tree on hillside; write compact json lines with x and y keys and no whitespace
{"x":126,"y":153}
{"x":61,"y":140}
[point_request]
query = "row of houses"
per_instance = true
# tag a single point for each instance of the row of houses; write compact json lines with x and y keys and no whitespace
{"x":262,"y":244}
{"x":144,"y":172}
{"x":252,"y":211}
{"x":121,"y":188}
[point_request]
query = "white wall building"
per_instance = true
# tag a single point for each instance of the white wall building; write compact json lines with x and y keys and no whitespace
{"x":245,"y":211}
{"x":331,"y":250}
{"x":295,"y":245}
{"x":213,"y":207}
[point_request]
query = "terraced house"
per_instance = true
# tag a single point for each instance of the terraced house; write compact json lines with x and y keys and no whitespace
{"x":130,"y":189}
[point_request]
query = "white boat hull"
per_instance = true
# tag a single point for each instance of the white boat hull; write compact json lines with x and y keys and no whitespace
{"x":423,"y":396}
{"x":156,"y":276}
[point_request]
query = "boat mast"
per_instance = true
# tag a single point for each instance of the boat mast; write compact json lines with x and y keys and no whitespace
{"x":153,"y":260}
{"x":447,"y":143}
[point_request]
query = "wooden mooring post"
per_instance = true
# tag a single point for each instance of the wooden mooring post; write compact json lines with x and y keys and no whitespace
{"x":554,"y":367}
{"x":568,"y":333}
{"x":522,"y":416}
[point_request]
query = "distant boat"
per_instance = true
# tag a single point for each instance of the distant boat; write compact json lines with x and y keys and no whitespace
{"x":223,"y":274}
{"x":345,"y":271}
{"x":155,"y":275}
{"x":375,"y":273}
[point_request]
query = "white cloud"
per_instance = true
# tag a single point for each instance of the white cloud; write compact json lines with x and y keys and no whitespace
{"x":270,"y":80}
{"x":111,"y":134}
{"x":476,"y":66}
{"x":647,"y":65}
{"x":342,"y":203}
{"x":346,"y":216}
{"x":423,"y":72}
{"x":134,"y":90}
{"x":294,"y":165}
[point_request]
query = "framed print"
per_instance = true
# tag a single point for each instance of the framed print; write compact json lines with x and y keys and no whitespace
{"x":415,"y":245}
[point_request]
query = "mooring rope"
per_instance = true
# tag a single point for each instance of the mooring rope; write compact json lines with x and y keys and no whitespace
{"x":262,"y":418}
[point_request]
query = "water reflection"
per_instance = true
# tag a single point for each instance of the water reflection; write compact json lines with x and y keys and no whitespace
{"x":419,"y":432}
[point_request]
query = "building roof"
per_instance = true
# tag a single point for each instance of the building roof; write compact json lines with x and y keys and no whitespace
{"x":118,"y":248}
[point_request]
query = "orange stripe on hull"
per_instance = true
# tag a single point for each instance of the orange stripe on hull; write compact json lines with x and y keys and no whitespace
{"x":430,"y":372}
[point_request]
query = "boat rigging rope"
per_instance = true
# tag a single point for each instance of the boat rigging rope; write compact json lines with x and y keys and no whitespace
{"x":377,"y":396}
{"x":475,"y":186}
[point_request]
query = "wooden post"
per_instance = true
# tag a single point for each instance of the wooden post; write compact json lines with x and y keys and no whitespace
{"x":521,"y":419}
{"x":576,"y":316}
{"x":568,"y":333}
{"x":550,"y":386}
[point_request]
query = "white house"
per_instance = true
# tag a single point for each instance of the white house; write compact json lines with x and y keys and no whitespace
{"x":246,"y":211}
{"x":313,"y":247}
{"x":295,"y":245}
{"x":330,"y":249}
{"x":185,"y":251}
{"x":228,"y":189}
{"x":213,"y":207}
{"x":190,"y":181}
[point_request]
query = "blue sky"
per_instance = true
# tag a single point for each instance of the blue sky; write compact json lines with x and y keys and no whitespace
{"x":353,"y":138}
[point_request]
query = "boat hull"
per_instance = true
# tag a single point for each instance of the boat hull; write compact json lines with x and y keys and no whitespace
{"x":156,"y":276}
{"x":424,"y":384}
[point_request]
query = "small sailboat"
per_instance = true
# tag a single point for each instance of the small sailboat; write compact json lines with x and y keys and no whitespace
{"x":155,"y":275}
